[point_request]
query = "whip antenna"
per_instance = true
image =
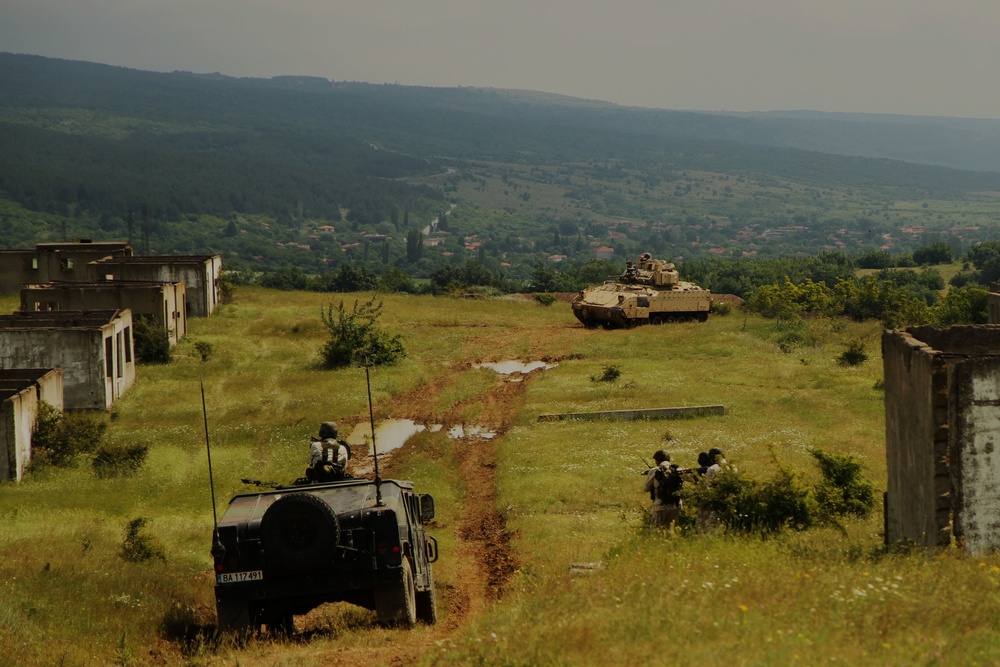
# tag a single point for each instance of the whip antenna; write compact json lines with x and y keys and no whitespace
{"x":208,"y":448}
{"x":371,"y":417}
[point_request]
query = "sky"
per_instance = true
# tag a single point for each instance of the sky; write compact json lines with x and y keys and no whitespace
{"x":919,"y":57}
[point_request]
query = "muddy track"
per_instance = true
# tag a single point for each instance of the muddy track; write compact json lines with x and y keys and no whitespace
{"x":481,"y":562}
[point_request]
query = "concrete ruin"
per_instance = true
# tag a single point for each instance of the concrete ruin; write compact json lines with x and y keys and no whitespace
{"x":22,"y":391}
{"x":94,"y":350}
{"x":49,"y":262}
{"x":161,"y":303}
{"x":200,"y":273}
{"x":942,"y":412}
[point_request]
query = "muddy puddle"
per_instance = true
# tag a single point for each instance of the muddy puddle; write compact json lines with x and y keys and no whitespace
{"x":514,"y":367}
{"x":391,"y":434}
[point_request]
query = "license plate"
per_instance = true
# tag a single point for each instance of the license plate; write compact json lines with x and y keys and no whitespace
{"x":238,"y":577}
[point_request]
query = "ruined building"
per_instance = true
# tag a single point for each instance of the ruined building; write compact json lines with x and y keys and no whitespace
{"x":21,"y":393}
{"x":942,"y":412}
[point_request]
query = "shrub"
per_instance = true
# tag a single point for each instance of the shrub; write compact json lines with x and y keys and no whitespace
{"x":745,"y":506}
{"x":721,"y":308}
{"x":854,"y":355}
{"x":545,"y":298}
{"x":764,"y":508}
{"x":842,"y":491}
{"x":204,"y":349}
{"x":610,"y":374}
{"x":152,"y":343}
{"x":137,"y":546}
{"x":356,"y":339}
{"x":58,"y":438}
{"x":119,"y":460}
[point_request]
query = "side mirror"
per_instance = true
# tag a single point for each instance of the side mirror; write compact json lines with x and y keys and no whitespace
{"x":426,"y":508}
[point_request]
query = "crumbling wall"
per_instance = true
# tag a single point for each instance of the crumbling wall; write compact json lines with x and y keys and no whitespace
{"x":942,"y":398}
{"x":916,"y":414}
{"x":976,"y":454}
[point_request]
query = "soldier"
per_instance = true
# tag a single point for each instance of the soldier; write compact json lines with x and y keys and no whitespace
{"x":663,"y":483}
{"x":717,"y":461}
{"x":328,"y":456}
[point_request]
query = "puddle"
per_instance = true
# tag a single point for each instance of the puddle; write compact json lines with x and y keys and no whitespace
{"x":392,"y":433}
{"x":389,"y":435}
{"x":460,"y":431}
{"x":513,"y":366}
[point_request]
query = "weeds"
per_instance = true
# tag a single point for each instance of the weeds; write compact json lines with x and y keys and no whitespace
{"x":544,"y":298}
{"x":137,"y":546}
{"x":854,"y":355}
{"x":119,"y":460}
{"x":609,"y":374}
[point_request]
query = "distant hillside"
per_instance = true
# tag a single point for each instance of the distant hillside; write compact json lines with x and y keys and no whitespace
{"x":254,"y":168}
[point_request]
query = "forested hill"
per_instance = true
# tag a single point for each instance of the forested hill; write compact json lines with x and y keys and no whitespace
{"x":542,"y":174}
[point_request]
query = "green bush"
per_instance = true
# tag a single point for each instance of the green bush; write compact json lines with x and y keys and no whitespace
{"x":750,"y":507}
{"x":842,"y":491}
{"x":545,"y":298}
{"x":119,"y":460}
{"x":356,"y":339}
{"x":152,"y":343}
{"x":722,"y":308}
{"x":57,"y":438}
{"x":854,"y":355}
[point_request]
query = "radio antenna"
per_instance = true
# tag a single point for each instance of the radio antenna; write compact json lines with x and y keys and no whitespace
{"x":371,"y":417}
{"x":208,"y":448}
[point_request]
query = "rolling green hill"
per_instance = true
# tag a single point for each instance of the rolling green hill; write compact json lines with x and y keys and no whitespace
{"x":253,"y":168}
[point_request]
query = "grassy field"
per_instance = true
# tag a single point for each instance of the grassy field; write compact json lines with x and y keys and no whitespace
{"x":570,"y":493}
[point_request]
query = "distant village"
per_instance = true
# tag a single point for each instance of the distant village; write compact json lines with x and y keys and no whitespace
{"x":71,"y":344}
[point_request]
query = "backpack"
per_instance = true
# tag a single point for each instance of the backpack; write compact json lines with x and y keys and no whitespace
{"x":667,"y":487}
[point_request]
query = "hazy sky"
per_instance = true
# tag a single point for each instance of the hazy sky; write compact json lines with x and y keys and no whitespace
{"x":892,"y":56}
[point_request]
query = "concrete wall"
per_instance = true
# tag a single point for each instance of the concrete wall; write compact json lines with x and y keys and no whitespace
{"x":21,"y":394}
{"x":200,"y":273}
{"x":916,"y":431}
{"x":85,"y":353}
{"x":162,"y":303}
{"x":15,"y":269}
{"x":942,"y":430}
{"x":49,"y":262}
{"x":976,"y":455}
{"x":993,"y":303}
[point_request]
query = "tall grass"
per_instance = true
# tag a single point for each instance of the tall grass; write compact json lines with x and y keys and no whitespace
{"x":570,"y":491}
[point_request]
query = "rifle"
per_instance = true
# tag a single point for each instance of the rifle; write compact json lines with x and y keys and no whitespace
{"x":257,"y":482}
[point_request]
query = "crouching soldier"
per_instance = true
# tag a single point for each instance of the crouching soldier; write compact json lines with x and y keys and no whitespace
{"x":328,"y":456}
{"x":663,"y":483}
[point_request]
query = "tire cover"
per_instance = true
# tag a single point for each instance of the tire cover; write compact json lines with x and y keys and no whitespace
{"x":298,"y":533}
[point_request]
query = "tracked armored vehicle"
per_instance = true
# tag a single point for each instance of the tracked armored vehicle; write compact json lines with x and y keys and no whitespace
{"x":284,"y":552}
{"x":649,"y":293}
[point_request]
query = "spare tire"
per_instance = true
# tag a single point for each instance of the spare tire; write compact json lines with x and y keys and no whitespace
{"x":298,"y":534}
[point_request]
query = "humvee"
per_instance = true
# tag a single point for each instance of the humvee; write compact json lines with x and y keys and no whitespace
{"x":284,"y":552}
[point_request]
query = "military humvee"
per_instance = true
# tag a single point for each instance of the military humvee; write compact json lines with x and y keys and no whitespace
{"x":285,"y":552}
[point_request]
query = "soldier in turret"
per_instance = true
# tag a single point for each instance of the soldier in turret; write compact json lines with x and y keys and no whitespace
{"x":328,"y":455}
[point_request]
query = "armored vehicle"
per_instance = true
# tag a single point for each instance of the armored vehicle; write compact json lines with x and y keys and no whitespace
{"x":285,"y":552}
{"x":649,"y":293}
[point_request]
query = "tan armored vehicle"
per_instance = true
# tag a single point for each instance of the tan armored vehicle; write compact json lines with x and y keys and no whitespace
{"x":649,"y":293}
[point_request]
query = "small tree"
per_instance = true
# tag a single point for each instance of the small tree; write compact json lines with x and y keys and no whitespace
{"x":355,"y":336}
